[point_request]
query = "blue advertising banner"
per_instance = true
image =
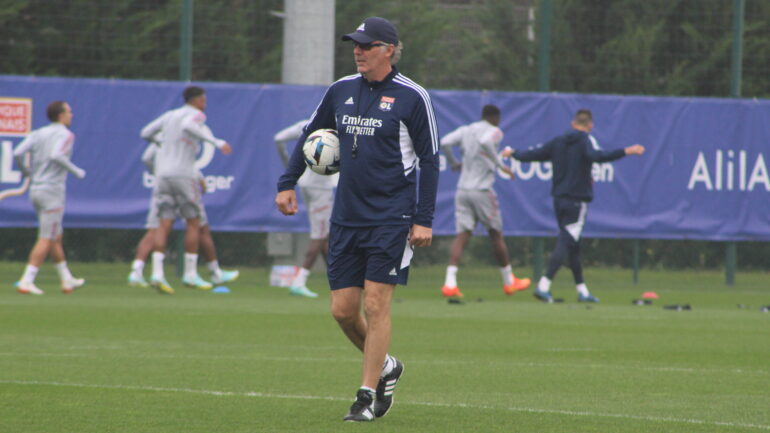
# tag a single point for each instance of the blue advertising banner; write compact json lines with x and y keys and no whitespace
{"x":704,"y":175}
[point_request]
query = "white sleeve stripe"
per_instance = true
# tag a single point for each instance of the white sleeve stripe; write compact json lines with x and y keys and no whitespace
{"x":428,"y":107}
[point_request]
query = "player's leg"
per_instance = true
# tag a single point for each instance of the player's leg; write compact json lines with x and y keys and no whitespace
{"x":145,"y":246}
{"x":143,"y":250}
{"x":160,"y":240}
{"x":465,"y":222}
{"x":487,"y":209}
{"x":49,"y":211}
{"x":450,"y":288}
{"x":377,"y":300}
{"x":388,"y":257}
{"x":68,"y":282}
{"x":191,"y":244}
{"x":511,"y":284}
{"x":209,"y":251}
{"x":167,"y":212}
{"x":562,"y":211}
{"x":187,"y":195}
{"x":575,"y":230}
{"x":346,"y":310}
{"x":26,"y":285}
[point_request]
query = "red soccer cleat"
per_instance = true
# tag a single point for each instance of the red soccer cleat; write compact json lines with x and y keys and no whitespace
{"x":451,"y":292}
{"x":517,"y":286}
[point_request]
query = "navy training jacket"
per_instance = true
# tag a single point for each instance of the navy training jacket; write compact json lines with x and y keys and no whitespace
{"x":572,"y":156}
{"x":393,"y":126}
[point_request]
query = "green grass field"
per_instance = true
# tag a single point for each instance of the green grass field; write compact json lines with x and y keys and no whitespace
{"x":110,"y":358}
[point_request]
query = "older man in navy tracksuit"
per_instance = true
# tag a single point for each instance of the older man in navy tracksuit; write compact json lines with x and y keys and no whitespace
{"x":386,"y":127}
{"x":572,"y":156}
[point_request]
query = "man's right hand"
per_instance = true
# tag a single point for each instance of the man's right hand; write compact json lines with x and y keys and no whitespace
{"x":226,"y":149}
{"x":286,"y":201}
{"x":636,"y":149}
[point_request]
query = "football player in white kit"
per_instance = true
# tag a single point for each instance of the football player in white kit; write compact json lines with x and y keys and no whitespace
{"x":180,"y":132}
{"x":146,"y":244}
{"x":318,"y":193}
{"x":50,"y":148}
{"x":476,"y":200}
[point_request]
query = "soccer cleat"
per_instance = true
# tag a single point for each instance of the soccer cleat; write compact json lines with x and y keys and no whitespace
{"x":225,"y":277}
{"x":518,"y":285}
{"x":27,"y":288}
{"x":68,"y":286}
{"x":197,"y":282}
{"x":451,"y":292}
{"x":361,"y":410}
{"x":543,"y":296}
{"x":135,"y":280}
{"x":162,"y":286}
{"x":587,"y":298}
{"x":385,"y":389}
{"x":302,"y":291}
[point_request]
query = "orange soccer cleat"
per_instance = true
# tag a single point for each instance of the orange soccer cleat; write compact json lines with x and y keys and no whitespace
{"x":517,"y":286}
{"x":451,"y":292}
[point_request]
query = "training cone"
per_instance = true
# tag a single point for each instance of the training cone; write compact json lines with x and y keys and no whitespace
{"x":650,"y":295}
{"x":220,"y":289}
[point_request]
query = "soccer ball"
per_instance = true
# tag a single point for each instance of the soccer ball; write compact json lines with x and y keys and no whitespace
{"x":322,"y":151}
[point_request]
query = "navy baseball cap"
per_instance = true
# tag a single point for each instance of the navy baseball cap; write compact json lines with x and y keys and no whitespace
{"x":374,"y":29}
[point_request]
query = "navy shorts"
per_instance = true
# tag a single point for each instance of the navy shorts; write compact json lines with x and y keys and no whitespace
{"x":381,"y":254}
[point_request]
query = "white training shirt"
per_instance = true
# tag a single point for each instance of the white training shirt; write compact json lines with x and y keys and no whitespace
{"x":148,"y":159}
{"x":478,"y":145}
{"x":179,"y":133}
{"x":50,"y":148}
{"x":309,"y":178}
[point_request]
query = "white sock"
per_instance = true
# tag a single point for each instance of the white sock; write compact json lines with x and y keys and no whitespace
{"x":369,"y":390}
{"x":582,"y":289}
{"x":137,"y":267}
{"x":214,"y":268}
{"x":451,"y":276}
{"x":544,"y":285}
{"x":507,"y":274}
{"x":63,"y":270}
{"x":157,"y":265}
{"x":30,"y":272}
{"x":388,"y":365}
{"x":301,"y":278}
{"x":190,"y":265}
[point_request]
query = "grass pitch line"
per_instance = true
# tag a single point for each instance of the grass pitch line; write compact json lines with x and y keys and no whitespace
{"x":416,"y":361}
{"x":415,"y":403}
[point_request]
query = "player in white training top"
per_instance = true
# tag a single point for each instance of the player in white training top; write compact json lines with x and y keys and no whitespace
{"x":317,"y":192}
{"x":146,"y":244}
{"x":180,"y":133}
{"x":476,"y":200}
{"x":50,"y":148}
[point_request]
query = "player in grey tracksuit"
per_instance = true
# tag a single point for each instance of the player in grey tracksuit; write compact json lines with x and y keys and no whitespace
{"x":146,"y":244}
{"x":476,"y":201}
{"x":181,"y":131}
{"x":50,"y":148}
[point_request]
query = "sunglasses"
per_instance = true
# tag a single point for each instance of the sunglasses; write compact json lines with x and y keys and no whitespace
{"x":367,"y":47}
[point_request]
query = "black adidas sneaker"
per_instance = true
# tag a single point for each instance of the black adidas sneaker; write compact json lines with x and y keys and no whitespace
{"x":361,"y":410}
{"x":385,"y":389}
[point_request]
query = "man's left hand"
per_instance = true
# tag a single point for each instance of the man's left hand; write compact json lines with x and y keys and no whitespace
{"x":420,"y":236}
